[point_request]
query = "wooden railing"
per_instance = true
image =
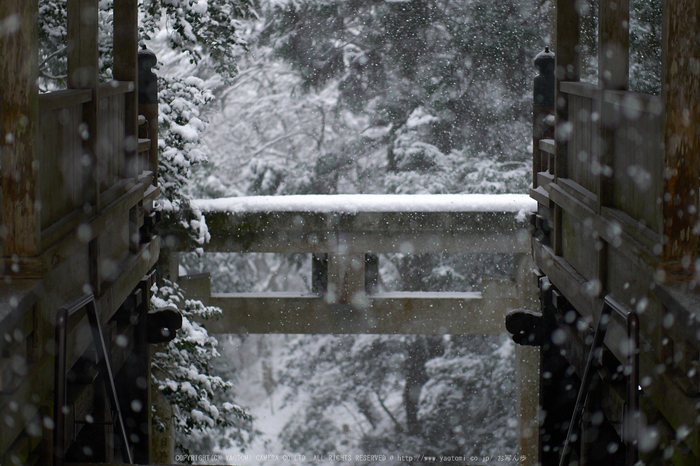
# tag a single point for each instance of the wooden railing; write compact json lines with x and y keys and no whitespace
{"x":64,"y":162}
{"x":602,"y":234}
{"x":636,"y":123}
{"x":62,"y":174}
{"x":111,"y":161}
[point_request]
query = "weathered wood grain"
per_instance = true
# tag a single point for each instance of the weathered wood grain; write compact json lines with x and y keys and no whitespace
{"x":19,"y":123}
{"x":680,"y":90}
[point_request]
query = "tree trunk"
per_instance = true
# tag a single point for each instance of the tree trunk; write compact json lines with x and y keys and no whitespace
{"x":420,"y":350}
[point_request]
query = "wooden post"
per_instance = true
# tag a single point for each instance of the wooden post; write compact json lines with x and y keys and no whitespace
{"x":542,"y":107}
{"x":567,"y":69}
{"x":126,"y":69}
{"x":613,"y":74}
{"x":614,"y":44}
{"x":148,"y":105}
{"x":527,"y":364}
{"x":19,"y":120}
{"x":346,"y":278}
{"x":319,"y":274}
{"x":83,"y":62}
{"x":680,"y":122}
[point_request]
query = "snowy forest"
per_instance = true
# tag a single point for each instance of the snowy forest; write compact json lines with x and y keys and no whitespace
{"x":280,"y":97}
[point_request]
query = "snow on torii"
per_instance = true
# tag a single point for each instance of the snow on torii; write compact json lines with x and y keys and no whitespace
{"x":354,"y":203}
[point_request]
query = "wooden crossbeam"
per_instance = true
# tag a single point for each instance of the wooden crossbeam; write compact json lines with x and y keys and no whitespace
{"x":476,"y":313}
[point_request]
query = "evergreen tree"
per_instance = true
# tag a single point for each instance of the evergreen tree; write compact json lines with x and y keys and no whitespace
{"x":205,"y":33}
{"x":414,"y":394}
{"x":182,"y":371}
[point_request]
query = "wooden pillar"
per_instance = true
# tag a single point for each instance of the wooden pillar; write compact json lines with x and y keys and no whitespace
{"x":134,"y":395}
{"x":567,"y":69}
{"x":148,"y":106}
{"x":614,"y":44}
{"x":83,"y":63}
{"x":126,"y":69}
{"x":346,"y":279}
{"x":19,"y":111}
{"x":613,"y":74}
{"x":162,"y":441}
{"x":680,"y":121}
{"x":527,"y":363}
{"x":542,"y":107}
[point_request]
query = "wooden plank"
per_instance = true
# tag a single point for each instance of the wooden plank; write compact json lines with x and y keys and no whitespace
{"x":19,"y":122}
{"x":578,"y":192}
{"x":637,"y":145}
{"x":547,"y":145}
{"x":567,"y":69}
{"x":608,"y":230}
{"x":144,"y":145}
{"x":50,"y":181}
{"x":56,"y":251}
{"x":587,"y":90}
{"x":366,"y":232}
{"x":82,"y":44}
{"x":368,"y":242}
{"x":579,"y":245}
{"x":680,"y":121}
{"x":541,"y":196}
{"x":544,"y":178}
{"x":346,"y":278}
{"x":64,"y":98}
{"x":645,"y":236}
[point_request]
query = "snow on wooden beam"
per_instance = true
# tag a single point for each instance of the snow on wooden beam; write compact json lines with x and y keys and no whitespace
{"x":355,"y":203}
{"x":349,"y":224}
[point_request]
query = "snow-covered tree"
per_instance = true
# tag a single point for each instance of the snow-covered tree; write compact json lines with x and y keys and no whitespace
{"x":193,"y":35}
{"x":182,"y":371}
{"x":415,"y":394}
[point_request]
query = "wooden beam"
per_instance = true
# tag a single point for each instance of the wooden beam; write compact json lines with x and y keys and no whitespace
{"x":390,"y":313}
{"x":367,"y":232}
{"x":126,"y":41}
{"x":475,"y":313}
{"x":19,"y":110}
{"x":680,"y":122}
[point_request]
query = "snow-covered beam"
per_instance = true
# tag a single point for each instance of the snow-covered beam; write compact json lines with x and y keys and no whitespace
{"x":348,"y":224}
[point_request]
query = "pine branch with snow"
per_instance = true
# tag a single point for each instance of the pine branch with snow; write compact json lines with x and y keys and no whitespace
{"x":182,"y":371}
